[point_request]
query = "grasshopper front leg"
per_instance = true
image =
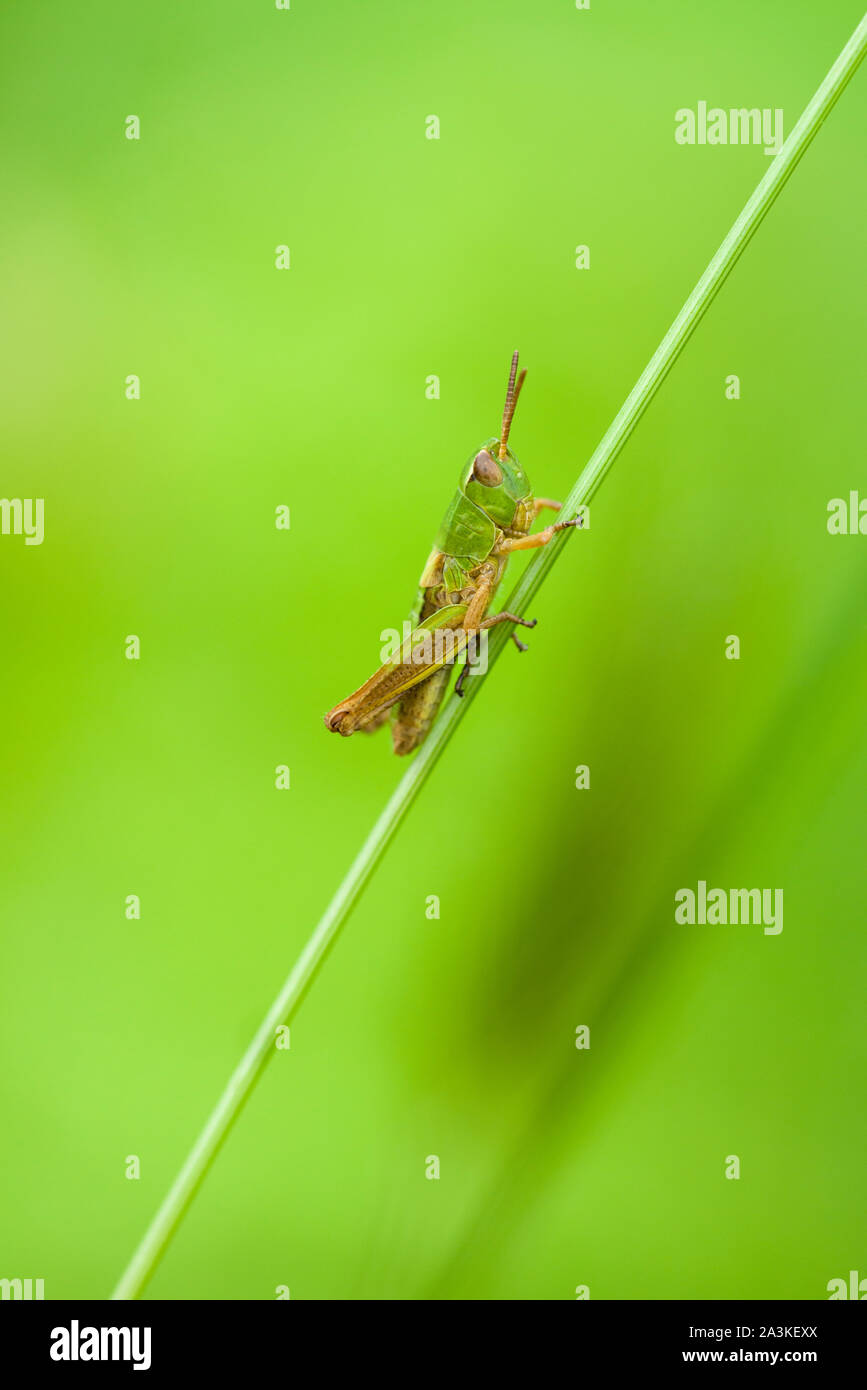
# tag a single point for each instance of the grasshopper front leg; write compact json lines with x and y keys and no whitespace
{"x":506,"y":544}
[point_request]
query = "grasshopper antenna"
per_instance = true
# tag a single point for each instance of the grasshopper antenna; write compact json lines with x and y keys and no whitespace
{"x":512,"y":394}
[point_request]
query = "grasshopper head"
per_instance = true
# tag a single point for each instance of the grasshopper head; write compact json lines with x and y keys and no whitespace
{"x":493,"y":477}
{"x":496,"y":484}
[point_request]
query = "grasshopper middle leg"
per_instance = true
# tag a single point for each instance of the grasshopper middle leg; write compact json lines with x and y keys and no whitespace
{"x":494,"y":621}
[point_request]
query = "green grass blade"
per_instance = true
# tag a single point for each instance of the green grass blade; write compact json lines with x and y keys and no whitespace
{"x":245,"y":1075}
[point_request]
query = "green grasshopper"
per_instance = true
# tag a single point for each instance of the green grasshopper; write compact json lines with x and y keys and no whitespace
{"x":490,"y":516}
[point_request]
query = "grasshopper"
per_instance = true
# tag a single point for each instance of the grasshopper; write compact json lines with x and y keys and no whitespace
{"x":489,"y":517}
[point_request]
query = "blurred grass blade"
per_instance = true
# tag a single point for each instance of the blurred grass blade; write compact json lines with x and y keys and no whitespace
{"x":261,"y":1048}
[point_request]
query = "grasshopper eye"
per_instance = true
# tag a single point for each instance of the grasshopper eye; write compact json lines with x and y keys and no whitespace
{"x":486,"y":470}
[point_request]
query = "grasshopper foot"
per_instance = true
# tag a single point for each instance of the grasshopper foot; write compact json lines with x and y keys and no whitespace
{"x":525,"y":622}
{"x":574,"y":521}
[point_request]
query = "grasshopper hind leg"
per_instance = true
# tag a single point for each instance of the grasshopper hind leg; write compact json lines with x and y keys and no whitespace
{"x":417,"y":710}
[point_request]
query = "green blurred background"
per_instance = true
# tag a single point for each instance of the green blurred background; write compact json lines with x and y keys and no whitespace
{"x":306,"y":387}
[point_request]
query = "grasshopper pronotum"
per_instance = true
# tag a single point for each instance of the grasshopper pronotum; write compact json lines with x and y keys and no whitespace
{"x":489,"y":516}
